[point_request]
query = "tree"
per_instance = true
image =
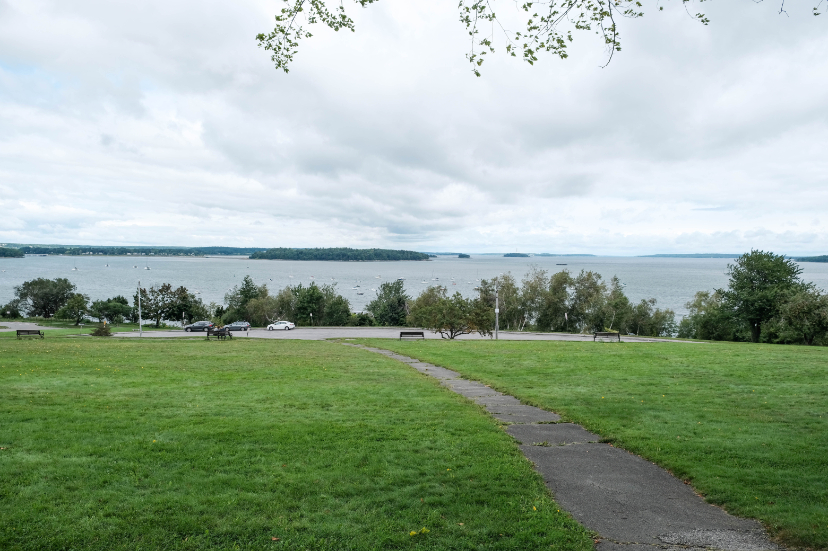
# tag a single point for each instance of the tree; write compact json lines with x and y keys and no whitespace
{"x":708,"y":318}
{"x":553,"y":314}
{"x":451,"y":316}
{"x":390,"y":305}
{"x":112,"y":310}
{"x":310,"y":304}
{"x":759,"y":283}
{"x":805,"y":315}
{"x":238,"y":298}
{"x":75,"y":308}
{"x":156,"y":304}
{"x":11,"y":309}
{"x":43,"y":297}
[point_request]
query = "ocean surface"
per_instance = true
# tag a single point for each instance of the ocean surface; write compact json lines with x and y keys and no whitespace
{"x":671,"y":281}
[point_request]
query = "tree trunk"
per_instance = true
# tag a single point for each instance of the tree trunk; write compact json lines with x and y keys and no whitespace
{"x":755,"y":331}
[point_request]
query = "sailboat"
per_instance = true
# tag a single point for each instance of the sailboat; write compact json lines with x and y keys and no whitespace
{"x":147,"y":267}
{"x":75,"y":268}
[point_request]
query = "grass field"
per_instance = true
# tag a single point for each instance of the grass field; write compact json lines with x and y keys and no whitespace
{"x":63,"y":328}
{"x":194,"y":444}
{"x":746,"y":424}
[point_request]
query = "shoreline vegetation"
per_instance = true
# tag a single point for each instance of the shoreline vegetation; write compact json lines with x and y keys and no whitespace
{"x":339,"y":254}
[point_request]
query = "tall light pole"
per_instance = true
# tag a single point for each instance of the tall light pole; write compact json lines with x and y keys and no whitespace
{"x":497,"y":312}
{"x":140,"y":324}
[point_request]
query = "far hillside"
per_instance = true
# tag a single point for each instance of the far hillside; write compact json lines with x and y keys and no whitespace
{"x":823,"y":258}
{"x":342,"y":254}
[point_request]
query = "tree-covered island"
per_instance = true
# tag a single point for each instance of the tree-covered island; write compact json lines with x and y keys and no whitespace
{"x":10,"y":252}
{"x":342,"y":254}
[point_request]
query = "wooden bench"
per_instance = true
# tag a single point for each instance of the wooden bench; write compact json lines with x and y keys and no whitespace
{"x":29,"y":333}
{"x":609,"y":335}
{"x":411,"y":335}
{"x":220,"y":334}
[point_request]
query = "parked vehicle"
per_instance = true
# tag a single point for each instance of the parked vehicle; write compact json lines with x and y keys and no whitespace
{"x":281,"y":325}
{"x":238,"y":326}
{"x":199,"y":326}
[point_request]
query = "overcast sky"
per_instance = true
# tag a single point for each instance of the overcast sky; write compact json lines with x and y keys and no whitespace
{"x":162,"y":123}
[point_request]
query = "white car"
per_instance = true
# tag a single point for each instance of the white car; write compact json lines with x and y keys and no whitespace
{"x":283,"y":325}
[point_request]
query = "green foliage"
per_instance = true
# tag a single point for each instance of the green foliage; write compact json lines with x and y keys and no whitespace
{"x":463,"y":255}
{"x":710,"y":319}
{"x":390,"y":307}
{"x":451,"y":316}
{"x":584,"y":303}
{"x":11,"y":310}
{"x":338,"y":254}
{"x":113,"y":310}
{"x":310,"y":304}
{"x":102,"y":330}
{"x":44,"y":297}
{"x":759,"y":283}
{"x":115,"y":444}
{"x":746,"y":425}
{"x":10,"y":252}
{"x":804,"y":317}
{"x":165,"y":303}
{"x":75,"y":308}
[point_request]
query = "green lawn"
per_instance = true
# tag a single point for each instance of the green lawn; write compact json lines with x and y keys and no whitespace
{"x":194,"y":444}
{"x":63,"y":328}
{"x":746,"y":424}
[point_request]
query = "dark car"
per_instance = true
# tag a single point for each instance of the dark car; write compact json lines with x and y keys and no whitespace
{"x":199,"y":326}
{"x":238,"y":326}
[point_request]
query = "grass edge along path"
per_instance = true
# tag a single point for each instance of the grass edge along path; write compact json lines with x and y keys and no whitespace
{"x":746,"y":425}
{"x":170,"y":444}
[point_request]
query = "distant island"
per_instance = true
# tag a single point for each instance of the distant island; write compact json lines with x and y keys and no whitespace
{"x":81,"y":250}
{"x":823,"y":258}
{"x":341,"y":254}
{"x":462,"y":255}
{"x":515,"y":255}
{"x":697,"y":255}
{"x":10,"y":252}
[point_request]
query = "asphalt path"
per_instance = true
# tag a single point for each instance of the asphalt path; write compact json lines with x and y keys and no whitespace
{"x":633,"y":504}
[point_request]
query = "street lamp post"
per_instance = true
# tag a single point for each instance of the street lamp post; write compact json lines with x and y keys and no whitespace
{"x":497,"y":313}
{"x":140,"y":323}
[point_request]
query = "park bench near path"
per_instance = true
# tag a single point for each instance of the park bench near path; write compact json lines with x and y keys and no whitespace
{"x":412,"y":335}
{"x":220,"y":334}
{"x":30,"y":333}
{"x":606,"y":335}
{"x":631,"y":503}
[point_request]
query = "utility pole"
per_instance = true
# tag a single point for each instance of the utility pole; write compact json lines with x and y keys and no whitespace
{"x":140,"y":323}
{"x":497,"y":313}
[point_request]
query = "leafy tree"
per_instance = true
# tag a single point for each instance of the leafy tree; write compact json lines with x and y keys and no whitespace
{"x":586,"y":310}
{"x":43,"y":297}
{"x":11,"y":309}
{"x":158,"y":303}
{"x":310,"y":304}
{"x":759,"y":283}
{"x":75,"y":308}
{"x":390,"y":308}
{"x":617,"y":307}
{"x":510,"y":302}
{"x":804,"y":316}
{"x":113,"y":310}
{"x":708,"y":319}
{"x":238,"y":298}
{"x":451,"y":316}
{"x":553,"y":313}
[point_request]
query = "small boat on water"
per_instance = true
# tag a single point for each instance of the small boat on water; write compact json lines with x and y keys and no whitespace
{"x":400,"y":279}
{"x":561,"y":264}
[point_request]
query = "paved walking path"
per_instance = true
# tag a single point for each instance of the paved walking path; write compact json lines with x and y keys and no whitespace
{"x":15,"y":325}
{"x":633,"y":504}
